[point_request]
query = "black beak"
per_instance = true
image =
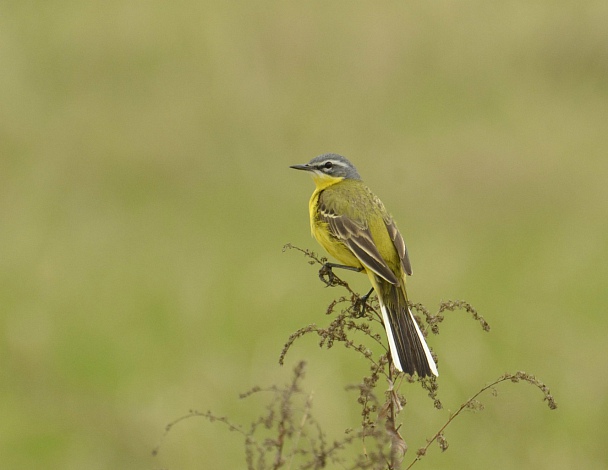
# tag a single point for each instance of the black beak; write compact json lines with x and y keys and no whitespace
{"x":305,"y":167}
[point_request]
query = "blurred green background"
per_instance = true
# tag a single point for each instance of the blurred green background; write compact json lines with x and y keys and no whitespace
{"x":145,"y":197}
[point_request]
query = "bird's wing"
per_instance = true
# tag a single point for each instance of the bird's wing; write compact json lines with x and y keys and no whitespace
{"x":357,"y":237}
{"x":399,"y":245}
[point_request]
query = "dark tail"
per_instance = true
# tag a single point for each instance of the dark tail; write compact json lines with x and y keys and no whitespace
{"x":407,"y":344}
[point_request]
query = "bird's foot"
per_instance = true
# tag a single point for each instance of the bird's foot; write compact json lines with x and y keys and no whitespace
{"x":361,"y":304}
{"x":327,"y":275}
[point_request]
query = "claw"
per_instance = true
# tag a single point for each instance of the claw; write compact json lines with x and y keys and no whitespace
{"x":326,"y":271}
{"x":361,"y":303}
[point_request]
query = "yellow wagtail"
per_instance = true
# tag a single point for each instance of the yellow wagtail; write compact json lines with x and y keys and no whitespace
{"x":351,"y":223}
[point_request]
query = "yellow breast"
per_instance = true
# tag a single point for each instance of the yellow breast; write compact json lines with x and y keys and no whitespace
{"x":320,"y":231}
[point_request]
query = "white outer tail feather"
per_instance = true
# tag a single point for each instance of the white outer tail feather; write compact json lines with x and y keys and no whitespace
{"x":429,"y":356}
{"x":391,"y":341}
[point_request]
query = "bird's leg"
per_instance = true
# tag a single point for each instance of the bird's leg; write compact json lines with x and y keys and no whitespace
{"x":362,"y":302}
{"x":326,"y":270}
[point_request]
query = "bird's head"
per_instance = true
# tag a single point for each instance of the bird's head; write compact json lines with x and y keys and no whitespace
{"x":328,"y":169}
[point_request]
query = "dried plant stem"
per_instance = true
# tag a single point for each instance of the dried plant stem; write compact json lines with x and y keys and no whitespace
{"x":296,"y":439}
{"x":472,"y":403}
{"x":288,"y":436}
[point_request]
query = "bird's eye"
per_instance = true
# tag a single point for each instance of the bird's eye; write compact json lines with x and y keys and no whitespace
{"x":328,"y":165}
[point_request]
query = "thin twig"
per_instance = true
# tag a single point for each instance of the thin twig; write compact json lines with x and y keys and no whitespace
{"x":472,"y":403}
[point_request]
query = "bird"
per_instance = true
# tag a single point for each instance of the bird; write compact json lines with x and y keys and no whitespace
{"x":352,"y":225}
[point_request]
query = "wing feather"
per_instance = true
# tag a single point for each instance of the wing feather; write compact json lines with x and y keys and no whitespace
{"x":357,"y":237}
{"x":399,"y":245}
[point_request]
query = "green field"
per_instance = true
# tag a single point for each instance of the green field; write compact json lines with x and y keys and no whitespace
{"x":145,"y":198}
